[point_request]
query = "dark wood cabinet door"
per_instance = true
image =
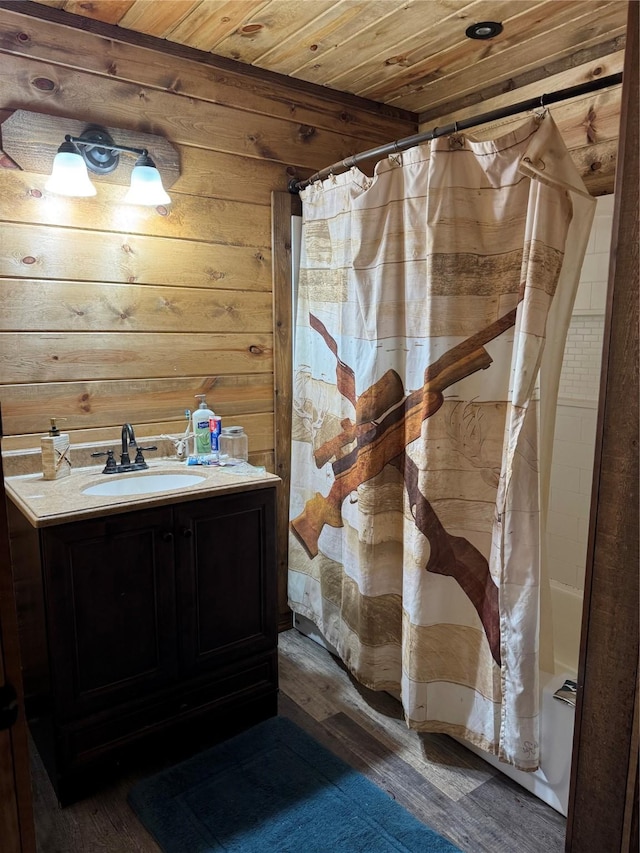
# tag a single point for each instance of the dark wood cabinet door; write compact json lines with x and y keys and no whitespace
{"x":226,"y":584}
{"x":111,"y":609}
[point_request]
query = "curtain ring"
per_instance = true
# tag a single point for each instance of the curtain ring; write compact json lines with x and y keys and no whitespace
{"x":542,"y":110}
{"x":456,"y":142}
{"x":394,"y":157}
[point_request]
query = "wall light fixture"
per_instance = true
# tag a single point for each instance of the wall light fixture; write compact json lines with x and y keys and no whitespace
{"x":94,"y":150}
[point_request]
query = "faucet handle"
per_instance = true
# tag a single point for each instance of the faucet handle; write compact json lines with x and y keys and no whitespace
{"x":110,"y":467}
{"x":139,"y":457}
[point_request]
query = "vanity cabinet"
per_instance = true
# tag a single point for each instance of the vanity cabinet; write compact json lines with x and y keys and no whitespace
{"x":158,"y":622}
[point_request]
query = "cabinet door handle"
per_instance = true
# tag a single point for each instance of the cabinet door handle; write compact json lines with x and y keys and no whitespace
{"x":167,"y":536}
{"x":187,"y":532}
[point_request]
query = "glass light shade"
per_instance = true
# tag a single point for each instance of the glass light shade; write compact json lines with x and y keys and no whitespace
{"x":146,"y":187}
{"x":69,"y":176}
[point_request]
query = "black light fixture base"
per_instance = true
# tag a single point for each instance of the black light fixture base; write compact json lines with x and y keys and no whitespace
{"x":97,"y":150}
{"x":484,"y":30}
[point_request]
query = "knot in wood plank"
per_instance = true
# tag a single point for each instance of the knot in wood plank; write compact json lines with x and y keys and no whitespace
{"x":43,"y":84}
{"x":400,"y":59}
{"x":306,"y":132}
{"x":214,"y":275}
{"x":590,"y":126}
{"x":251,"y":29}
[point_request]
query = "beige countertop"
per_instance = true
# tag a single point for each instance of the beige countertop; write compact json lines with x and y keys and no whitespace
{"x":48,"y":502}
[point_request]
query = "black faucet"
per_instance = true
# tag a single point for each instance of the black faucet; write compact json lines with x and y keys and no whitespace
{"x":128,"y":439}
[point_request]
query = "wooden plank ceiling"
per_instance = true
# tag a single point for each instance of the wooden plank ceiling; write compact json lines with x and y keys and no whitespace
{"x":411,"y":54}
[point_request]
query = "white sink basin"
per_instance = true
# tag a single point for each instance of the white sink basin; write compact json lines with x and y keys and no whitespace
{"x":142,"y":484}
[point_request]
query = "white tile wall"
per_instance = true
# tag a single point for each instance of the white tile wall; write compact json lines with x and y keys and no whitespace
{"x":582,"y":358}
{"x":583,"y":351}
{"x":574,"y":441}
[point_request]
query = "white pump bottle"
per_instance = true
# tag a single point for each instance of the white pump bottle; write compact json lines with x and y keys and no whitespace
{"x":201,"y":433}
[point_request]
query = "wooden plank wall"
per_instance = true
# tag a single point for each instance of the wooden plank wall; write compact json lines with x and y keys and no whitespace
{"x":111,"y":313}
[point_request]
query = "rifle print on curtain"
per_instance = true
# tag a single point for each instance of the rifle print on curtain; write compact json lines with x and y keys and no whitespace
{"x":433,"y":302}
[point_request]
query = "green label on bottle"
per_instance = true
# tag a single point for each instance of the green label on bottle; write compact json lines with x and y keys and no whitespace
{"x":203,"y":442}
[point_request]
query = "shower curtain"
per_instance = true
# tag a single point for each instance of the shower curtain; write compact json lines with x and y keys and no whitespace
{"x":433,"y":303}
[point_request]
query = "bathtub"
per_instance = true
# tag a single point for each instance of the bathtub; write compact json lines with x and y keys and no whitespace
{"x":551,"y":782}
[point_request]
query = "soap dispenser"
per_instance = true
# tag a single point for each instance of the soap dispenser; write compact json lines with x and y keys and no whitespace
{"x":56,"y":461}
{"x":201,"y":431}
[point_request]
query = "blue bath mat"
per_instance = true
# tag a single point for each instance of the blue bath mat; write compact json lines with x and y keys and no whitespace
{"x":274,"y":789}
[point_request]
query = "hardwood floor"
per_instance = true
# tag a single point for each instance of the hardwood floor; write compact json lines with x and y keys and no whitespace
{"x":434,"y":777}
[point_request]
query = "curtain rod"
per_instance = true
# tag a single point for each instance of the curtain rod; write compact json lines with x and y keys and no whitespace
{"x":463,"y":124}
